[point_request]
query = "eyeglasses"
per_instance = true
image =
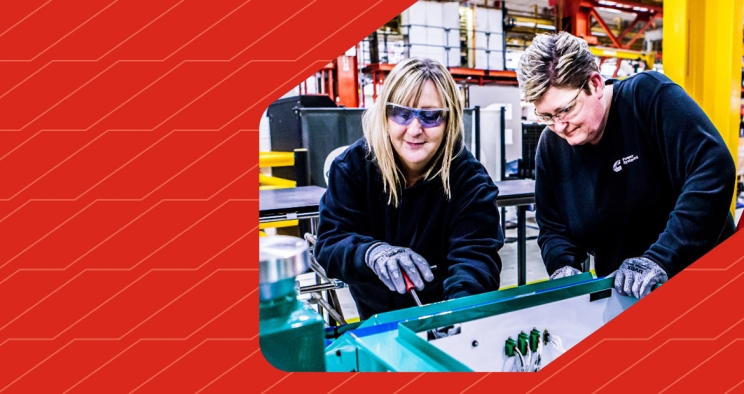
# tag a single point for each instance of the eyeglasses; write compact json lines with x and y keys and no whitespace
{"x":561,"y":113}
{"x":428,"y":117}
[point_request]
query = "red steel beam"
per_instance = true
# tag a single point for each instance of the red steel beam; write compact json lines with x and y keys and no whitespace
{"x":617,"y":67}
{"x":627,"y":29}
{"x":606,"y":28}
{"x":638,"y":35}
{"x":625,"y":6}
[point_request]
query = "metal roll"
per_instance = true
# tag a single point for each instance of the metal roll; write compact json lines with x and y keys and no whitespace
{"x":282,"y":258}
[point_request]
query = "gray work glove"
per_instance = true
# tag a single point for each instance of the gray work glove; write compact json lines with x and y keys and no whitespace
{"x":564,"y":272}
{"x":636,"y":277}
{"x":386,"y":261}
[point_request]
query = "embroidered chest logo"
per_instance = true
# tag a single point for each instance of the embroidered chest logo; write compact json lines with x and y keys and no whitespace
{"x":618,"y":165}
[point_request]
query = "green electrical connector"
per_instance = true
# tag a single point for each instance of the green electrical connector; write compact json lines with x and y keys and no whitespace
{"x":534,"y":339}
{"x":522,"y":342}
{"x":509,"y":347}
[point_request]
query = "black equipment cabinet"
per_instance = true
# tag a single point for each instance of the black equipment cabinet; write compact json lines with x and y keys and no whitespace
{"x":286,"y":125}
{"x":530,"y":136}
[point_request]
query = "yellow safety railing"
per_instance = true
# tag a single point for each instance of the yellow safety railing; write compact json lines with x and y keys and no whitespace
{"x":283,"y":223}
{"x":648,"y":57}
{"x":276,"y":159}
{"x":268,"y":182}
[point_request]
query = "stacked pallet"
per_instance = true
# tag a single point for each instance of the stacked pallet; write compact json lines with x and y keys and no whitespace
{"x":489,"y":39}
{"x":433,"y":31}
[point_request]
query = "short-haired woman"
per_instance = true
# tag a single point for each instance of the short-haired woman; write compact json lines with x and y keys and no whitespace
{"x":409,"y":196}
{"x":632,"y":172}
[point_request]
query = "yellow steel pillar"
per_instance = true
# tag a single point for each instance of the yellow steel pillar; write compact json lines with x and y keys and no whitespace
{"x":702,"y":53}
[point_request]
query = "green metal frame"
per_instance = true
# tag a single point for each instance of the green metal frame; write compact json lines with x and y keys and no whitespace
{"x":389,"y":341}
{"x":465,"y":302}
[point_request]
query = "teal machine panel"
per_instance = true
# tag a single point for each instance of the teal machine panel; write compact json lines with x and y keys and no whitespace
{"x":545,"y":318}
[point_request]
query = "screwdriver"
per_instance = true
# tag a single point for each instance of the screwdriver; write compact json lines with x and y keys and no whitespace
{"x":431,"y":334}
{"x":410,"y":288}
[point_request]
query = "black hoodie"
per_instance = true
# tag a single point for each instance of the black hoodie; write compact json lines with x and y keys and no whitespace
{"x":461,"y":236}
{"x":658,"y":184}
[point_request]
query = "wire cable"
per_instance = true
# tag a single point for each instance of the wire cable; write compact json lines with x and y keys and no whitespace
{"x":538,"y":357}
{"x":521,"y":359}
{"x":557,"y":343}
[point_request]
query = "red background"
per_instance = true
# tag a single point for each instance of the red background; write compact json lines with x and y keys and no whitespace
{"x":129,"y":212}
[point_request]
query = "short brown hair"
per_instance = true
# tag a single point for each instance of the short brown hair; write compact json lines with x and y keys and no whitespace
{"x":558,"y":60}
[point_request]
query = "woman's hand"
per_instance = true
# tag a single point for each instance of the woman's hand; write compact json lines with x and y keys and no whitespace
{"x":386,"y":261}
{"x":637,"y":276}
{"x":564,"y":272}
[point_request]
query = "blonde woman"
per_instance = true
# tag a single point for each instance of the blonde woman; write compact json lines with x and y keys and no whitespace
{"x":409,"y":196}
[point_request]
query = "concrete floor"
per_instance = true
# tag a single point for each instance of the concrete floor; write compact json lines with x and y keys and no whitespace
{"x":535,"y":267}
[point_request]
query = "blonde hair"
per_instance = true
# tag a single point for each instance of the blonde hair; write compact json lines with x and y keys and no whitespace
{"x":559,"y":60}
{"x":403,"y":86}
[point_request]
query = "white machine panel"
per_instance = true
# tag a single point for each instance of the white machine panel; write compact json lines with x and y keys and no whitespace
{"x":480,"y":343}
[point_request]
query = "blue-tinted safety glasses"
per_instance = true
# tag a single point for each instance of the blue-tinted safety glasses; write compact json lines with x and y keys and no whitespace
{"x":428,"y":117}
